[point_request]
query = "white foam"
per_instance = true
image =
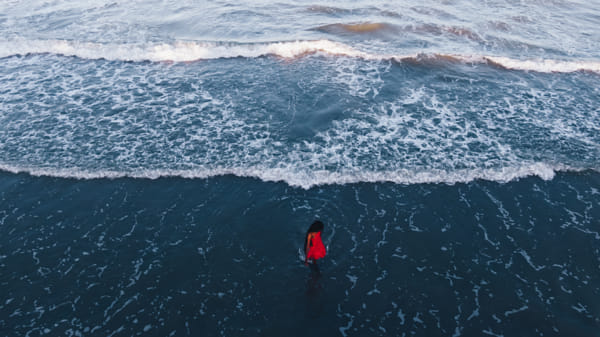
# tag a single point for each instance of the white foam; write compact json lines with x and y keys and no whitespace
{"x":308,"y":180}
{"x":422,"y":135}
{"x":545,"y":66}
{"x":514,"y":311}
{"x":179,"y":51}
{"x":187,"y":51}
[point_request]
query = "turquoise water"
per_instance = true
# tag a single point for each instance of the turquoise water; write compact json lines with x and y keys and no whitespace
{"x":161,"y":161}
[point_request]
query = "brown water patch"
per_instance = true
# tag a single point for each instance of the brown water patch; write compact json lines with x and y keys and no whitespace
{"x":356,"y":28}
{"x":431,"y":60}
{"x":368,"y":28}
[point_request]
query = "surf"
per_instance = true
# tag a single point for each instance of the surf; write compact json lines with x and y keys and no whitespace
{"x":191,"y":51}
{"x":306,"y":179}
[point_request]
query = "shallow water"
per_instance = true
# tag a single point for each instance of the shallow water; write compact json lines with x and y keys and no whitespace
{"x":182,"y":256}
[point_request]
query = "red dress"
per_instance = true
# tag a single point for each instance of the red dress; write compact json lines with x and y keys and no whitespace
{"x":316,"y":249}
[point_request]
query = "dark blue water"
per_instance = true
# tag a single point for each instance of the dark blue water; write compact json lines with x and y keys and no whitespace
{"x":161,"y":161}
{"x":219,"y":256}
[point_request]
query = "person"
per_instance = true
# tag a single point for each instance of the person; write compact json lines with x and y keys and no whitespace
{"x":313,"y":245}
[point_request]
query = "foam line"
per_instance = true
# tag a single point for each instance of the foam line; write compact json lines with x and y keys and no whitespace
{"x":180,"y":51}
{"x":545,"y":66}
{"x":187,"y":51}
{"x":308,"y":180}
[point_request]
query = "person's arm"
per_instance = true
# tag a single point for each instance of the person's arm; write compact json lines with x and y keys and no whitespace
{"x":308,"y":245}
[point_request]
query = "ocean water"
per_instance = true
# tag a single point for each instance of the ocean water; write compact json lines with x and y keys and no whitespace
{"x":160,"y":162}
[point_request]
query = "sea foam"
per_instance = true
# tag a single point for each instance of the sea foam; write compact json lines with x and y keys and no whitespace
{"x":188,"y":51}
{"x":310,"y":179}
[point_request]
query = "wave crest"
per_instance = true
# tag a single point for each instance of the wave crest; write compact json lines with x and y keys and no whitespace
{"x":179,"y":51}
{"x":188,"y":51}
{"x":307,"y":180}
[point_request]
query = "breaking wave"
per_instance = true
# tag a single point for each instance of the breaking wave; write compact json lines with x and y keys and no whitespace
{"x":188,"y":51}
{"x":309,"y":179}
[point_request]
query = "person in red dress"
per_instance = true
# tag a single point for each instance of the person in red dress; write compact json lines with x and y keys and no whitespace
{"x":313,"y":245}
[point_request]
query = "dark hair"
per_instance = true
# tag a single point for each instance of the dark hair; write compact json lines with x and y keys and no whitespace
{"x":316,"y":226}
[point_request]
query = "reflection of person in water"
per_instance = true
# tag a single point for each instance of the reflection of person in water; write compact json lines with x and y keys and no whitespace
{"x":313,"y":245}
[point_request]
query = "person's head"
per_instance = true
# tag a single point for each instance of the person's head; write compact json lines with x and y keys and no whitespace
{"x":316,"y":226}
